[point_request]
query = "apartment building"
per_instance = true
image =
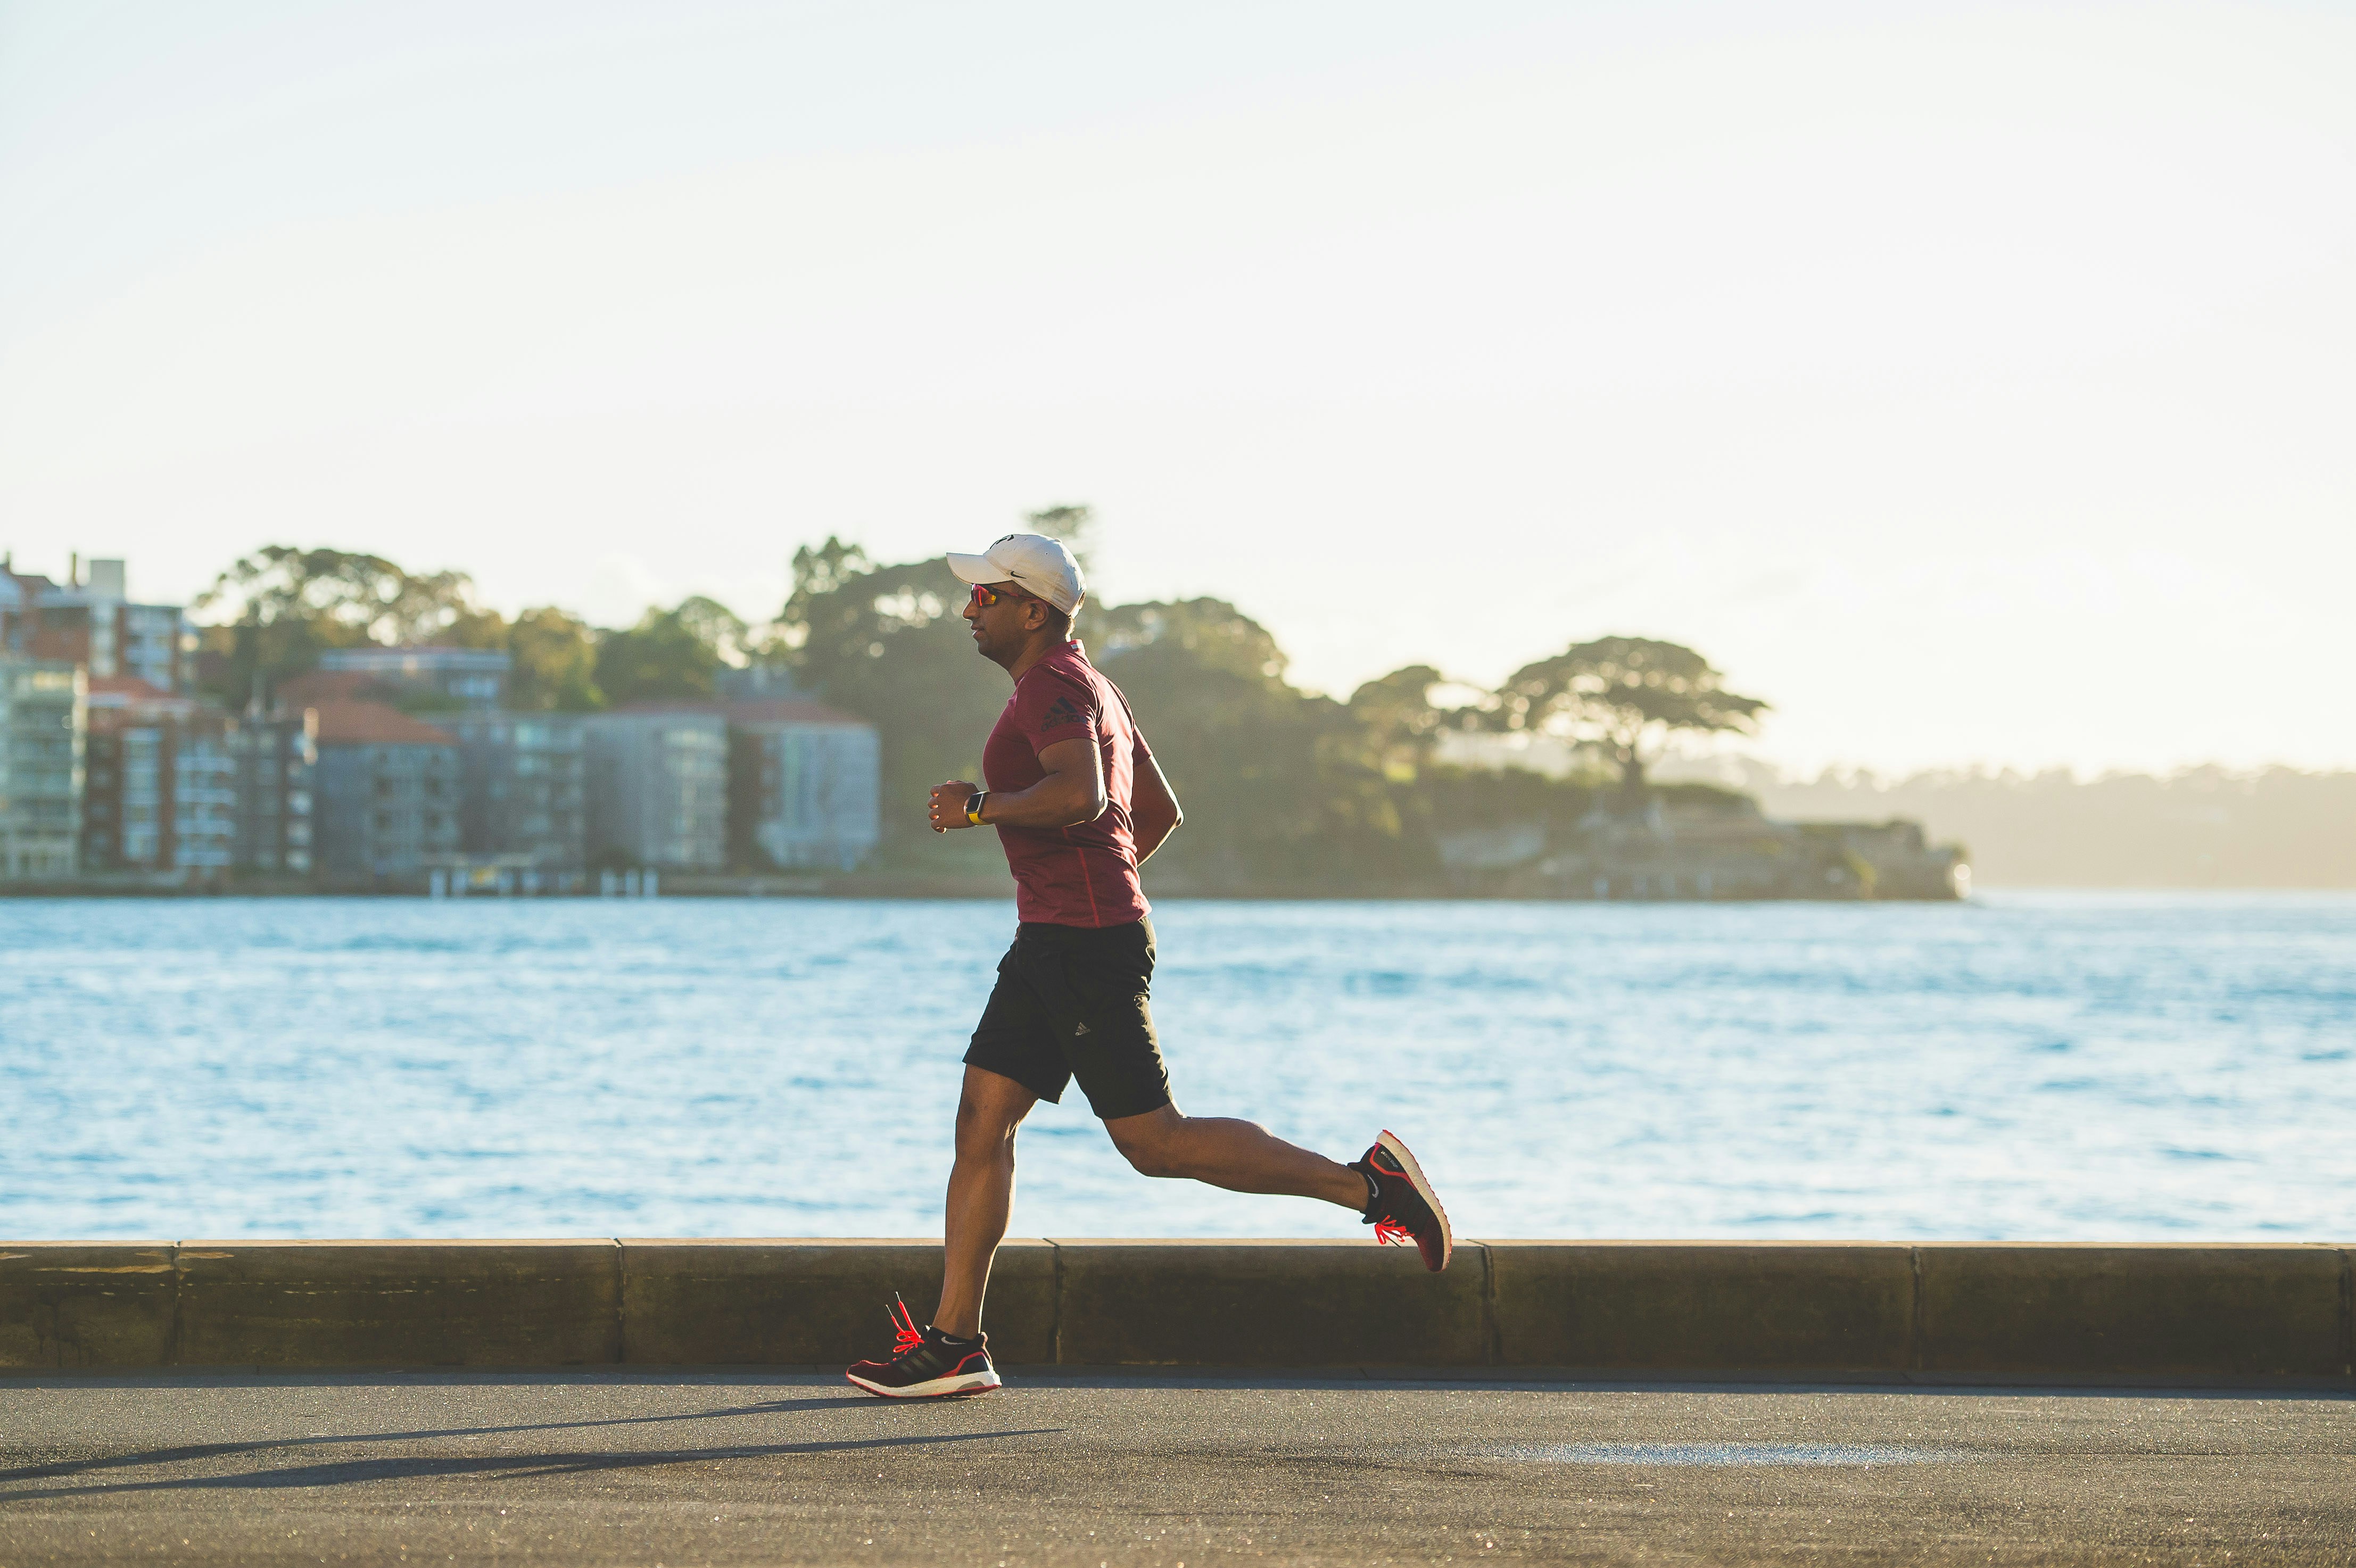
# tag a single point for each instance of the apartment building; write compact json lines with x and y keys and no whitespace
{"x":526,"y":792}
{"x":276,"y":757}
{"x":160,"y":791}
{"x":91,"y":621}
{"x":471,"y":679}
{"x":44,"y":729}
{"x":658,"y":787}
{"x":804,"y":784}
{"x":388,"y":789}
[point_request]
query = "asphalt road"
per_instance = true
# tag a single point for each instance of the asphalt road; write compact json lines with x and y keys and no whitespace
{"x":1118,"y":1469}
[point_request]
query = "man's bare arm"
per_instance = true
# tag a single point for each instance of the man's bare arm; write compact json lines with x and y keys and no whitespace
{"x":1154,"y":814}
{"x":1072,"y":792}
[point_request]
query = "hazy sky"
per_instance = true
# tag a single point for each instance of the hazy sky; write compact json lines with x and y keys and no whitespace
{"x":1974,"y":382}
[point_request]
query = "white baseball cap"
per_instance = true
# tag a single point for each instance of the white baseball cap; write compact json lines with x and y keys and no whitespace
{"x":1038,"y":565}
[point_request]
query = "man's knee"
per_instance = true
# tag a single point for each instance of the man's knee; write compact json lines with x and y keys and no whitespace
{"x":983,"y":1131}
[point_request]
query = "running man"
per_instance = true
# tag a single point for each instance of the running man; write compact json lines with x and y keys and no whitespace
{"x":1079,"y":804}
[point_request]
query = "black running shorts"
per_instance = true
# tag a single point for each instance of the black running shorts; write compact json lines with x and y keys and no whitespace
{"x":1071,"y":1002}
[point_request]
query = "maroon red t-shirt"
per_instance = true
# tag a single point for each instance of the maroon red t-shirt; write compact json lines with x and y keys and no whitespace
{"x":1070,"y":876}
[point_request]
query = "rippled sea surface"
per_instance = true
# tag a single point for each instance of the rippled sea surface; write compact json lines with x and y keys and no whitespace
{"x":2031,"y":1066}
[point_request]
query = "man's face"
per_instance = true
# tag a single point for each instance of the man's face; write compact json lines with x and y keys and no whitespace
{"x":1000,"y":628}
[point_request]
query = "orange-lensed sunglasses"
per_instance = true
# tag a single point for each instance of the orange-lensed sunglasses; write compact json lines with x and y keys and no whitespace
{"x":985,"y":595}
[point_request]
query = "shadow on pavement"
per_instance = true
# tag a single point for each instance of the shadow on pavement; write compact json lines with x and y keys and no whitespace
{"x":187,"y":1452}
{"x":396,"y":1470}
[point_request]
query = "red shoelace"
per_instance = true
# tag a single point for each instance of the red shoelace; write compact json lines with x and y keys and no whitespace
{"x":1388,"y":1231}
{"x":906,"y":1334}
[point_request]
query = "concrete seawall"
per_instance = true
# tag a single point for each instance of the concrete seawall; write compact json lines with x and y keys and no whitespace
{"x":1948,"y":1312}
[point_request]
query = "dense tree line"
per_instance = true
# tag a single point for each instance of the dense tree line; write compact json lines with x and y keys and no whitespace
{"x":283,"y":607}
{"x":1281,"y":787}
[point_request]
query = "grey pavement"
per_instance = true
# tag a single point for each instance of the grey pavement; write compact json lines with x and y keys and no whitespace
{"x":1077,"y":1468}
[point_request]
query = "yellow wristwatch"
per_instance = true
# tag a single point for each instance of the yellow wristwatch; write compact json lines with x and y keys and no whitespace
{"x":973,"y":807}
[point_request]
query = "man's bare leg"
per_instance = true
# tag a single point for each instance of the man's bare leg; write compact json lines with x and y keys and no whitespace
{"x":1242,"y":1157}
{"x":990,"y":1107}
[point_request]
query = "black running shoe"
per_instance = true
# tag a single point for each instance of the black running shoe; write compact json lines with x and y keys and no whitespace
{"x":925,"y":1364}
{"x":1403,"y":1207}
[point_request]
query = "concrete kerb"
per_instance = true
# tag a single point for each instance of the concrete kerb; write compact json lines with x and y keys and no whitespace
{"x":1269,"y":1303}
{"x":1657,"y":1306}
{"x":2189,"y":1310}
{"x":695,"y":1303}
{"x":2348,"y":1312}
{"x":426,"y":1303}
{"x":78,"y":1306}
{"x":1945,"y":1313}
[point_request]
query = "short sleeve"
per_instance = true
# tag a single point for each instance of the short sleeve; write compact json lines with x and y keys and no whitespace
{"x":1056,"y":712}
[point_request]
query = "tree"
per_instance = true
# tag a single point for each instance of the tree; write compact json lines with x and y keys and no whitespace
{"x":1213,"y":635}
{"x":1401,"y":723}
{"x":1277,"y":783}
{"x":291,"y":604}
{"x":671,"y":653}
{"x":1626,"y":695}
{"x":820,"y":571}
{"x":715,"y":626}
{"x":555,"y":656}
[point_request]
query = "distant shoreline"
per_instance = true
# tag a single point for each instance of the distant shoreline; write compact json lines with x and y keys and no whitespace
{"x":986,"y":891}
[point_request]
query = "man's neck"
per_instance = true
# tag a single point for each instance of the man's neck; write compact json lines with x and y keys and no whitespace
{"x":1033,"y":652}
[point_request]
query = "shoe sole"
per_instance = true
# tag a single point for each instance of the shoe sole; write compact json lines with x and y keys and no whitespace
{"x":939,"y":1388}
{"x":1390,"y":1140}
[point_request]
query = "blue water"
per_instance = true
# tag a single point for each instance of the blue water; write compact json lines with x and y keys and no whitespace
{"x":2057,"y":1066}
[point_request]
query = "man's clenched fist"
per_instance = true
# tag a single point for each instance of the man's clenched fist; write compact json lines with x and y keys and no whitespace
{"x":949,"y":805}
